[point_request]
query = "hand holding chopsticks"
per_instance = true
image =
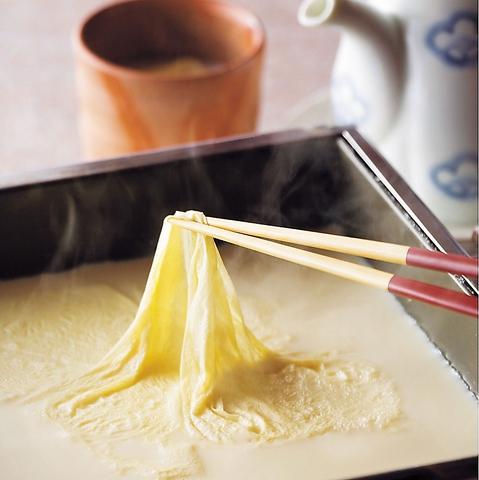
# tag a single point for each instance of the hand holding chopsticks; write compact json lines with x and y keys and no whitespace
{"x":245,"y":235}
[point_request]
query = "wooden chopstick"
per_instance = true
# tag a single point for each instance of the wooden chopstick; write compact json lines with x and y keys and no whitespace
{"x":395,"y":284}
{"x":388,"y":252}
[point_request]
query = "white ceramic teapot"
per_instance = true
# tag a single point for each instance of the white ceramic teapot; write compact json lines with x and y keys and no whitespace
{"x":406,"y":75}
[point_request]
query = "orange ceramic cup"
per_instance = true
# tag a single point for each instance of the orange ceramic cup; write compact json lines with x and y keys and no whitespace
{"x":127,"y":104}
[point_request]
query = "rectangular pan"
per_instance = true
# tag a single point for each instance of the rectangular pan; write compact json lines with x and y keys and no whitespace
{"x":60,"y":218}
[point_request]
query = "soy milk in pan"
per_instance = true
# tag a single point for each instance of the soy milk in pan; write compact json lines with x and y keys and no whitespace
{"x":278,"y":372}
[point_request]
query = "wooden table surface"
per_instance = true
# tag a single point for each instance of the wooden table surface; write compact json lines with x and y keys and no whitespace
{"x":37,"y":93}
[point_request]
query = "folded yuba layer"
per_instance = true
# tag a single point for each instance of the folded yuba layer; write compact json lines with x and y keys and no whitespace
{"x":189,"y":361}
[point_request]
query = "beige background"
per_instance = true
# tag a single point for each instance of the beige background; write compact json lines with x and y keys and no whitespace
{"x":37,"y":96}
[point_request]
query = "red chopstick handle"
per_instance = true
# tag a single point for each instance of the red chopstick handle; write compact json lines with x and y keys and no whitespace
{"x":444,"y":262}
{"x":434,"y":295}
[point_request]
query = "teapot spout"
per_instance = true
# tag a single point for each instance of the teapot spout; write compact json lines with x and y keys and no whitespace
{"x":355,"y":18}
{"x":313,"y":13}
{"x":371,"y":55}
{"x":350,"y":14}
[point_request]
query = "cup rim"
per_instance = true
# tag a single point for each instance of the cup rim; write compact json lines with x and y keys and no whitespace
{"x":225,"y":67}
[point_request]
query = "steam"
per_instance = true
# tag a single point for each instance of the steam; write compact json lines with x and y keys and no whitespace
{"x":67,"y":232}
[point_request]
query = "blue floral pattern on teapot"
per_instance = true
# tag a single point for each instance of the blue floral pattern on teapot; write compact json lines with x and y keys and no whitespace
{"x":348,"y":106}
{"x":454,"y":40}
{"x":457,"y":177}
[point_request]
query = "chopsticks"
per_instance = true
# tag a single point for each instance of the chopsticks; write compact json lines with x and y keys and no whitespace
{"x":388,"y":252}
{"x":395,"y":284}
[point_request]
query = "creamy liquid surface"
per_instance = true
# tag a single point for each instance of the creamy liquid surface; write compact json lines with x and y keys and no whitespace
{"x":290,"y":308}
{"x":179,"y":67}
